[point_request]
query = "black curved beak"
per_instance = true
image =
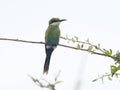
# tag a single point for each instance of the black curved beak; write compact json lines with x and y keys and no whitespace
{"x":63,"y":20}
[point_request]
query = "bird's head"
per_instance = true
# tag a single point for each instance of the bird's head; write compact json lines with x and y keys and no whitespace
{"x":55,"y":21}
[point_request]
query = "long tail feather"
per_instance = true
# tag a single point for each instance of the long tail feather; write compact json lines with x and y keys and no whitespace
{"x":47,"y":60}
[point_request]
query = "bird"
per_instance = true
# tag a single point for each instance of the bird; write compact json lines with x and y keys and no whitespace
{"x":52,"y":36}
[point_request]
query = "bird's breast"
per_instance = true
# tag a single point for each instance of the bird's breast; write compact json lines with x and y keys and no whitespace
{"x":53,"y":36}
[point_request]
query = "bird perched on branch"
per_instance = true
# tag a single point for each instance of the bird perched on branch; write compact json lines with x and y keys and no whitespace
{"x":52,"y":36}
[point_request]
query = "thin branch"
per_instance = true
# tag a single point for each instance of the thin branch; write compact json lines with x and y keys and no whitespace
{"x":106,"y":75}
{"x":40,"y":84}
{"x":81,"y":49}
{"x":69,"y":39}
{"x":18,"y":40}
{"x":35,"y":42}
{"x":115,"y":57}
{"x":37,"y":82}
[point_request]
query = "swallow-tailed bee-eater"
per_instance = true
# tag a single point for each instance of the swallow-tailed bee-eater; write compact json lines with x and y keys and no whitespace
{"x":52,"y":36}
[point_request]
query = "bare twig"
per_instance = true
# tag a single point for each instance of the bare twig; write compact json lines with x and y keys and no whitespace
{"x":18,"y":40}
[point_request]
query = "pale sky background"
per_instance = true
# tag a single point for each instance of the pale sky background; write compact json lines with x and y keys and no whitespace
{"x":98,"y":20}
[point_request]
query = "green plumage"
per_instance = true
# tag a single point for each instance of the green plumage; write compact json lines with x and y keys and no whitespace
{"x":52,"y":36}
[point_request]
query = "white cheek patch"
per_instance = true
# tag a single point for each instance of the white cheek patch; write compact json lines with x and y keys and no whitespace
{"x":48,"y":47}
{"x":55,"y":23}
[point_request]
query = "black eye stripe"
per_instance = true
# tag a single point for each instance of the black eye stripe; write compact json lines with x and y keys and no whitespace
{"x":52,"y":21}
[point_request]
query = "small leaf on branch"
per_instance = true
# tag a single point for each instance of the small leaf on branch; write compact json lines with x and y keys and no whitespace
{"x":76,"y":38}
{"x":116,"y":57}
{"x":116,"y":75}
{"x":113,"y":69}
{"x":108,"y":52}
{"x":94,"y":80}
{"x":109,"y":78}
{"x":57,"y":82}
{"x":73,"y":40}
{"x":90,"y":49}
{"x":78,"y":47}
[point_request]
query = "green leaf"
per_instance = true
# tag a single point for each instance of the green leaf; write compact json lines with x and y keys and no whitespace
{"x":78,"y":47}
{"x":76,"y":38}
{"x":116,"y":57}
{"x":94,"y":80}
{"x":90,"y":48}
{"x":113,"y":69}
{"x":108,"y":52}
{"x":73,"y":40}
{"x":51,"y":85}
{"x":116,"y":75}
{"x":109,"y":78}
{"x":58,"y":82}
{"x":118,"y":68}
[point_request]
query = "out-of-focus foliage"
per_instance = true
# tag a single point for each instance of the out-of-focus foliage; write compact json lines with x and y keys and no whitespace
{"x":98,"y":50}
